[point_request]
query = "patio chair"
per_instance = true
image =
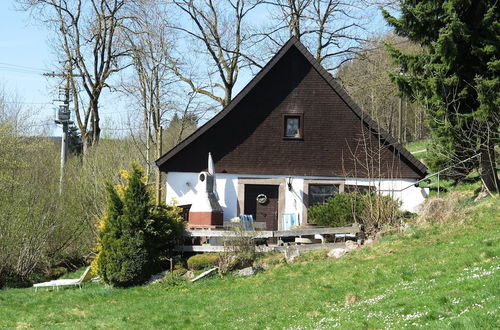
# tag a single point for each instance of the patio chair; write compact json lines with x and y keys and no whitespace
{"x":86,"y":276}
{"x":290,"y":220}
{"x":246,"y":222}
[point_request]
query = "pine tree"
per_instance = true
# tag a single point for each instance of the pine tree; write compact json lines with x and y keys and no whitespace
{"x":75,"y":144}
{"x":457,"y":79}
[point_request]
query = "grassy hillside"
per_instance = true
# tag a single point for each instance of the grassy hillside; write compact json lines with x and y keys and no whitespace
{"x":437,"y":275}
{"x":417,"y":149}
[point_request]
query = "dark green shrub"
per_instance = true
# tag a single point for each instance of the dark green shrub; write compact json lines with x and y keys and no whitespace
{"x":339,"y":210}
{"x":374,"y":212}
{"x":135,"y":237}
{"x":57,"y":272}
{"x":201,"y":261}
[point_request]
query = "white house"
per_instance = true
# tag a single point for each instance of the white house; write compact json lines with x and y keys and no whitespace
{"x":290,"y":139}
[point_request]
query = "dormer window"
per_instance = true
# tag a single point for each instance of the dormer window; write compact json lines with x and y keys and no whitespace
{"x":293,"y":126}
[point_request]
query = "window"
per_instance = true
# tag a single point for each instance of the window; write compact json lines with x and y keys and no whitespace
{"x":319,"y":193}
{"x":358,"y":189}
{"x":293,"y":126}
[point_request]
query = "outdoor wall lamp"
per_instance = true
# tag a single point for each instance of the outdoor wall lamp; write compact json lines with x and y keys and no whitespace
{"x":289,"y":183}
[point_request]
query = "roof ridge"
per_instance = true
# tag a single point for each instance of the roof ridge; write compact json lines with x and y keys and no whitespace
{"x":248,"y":87}
{"x":293,"y":41}
{"x":356,"y":109}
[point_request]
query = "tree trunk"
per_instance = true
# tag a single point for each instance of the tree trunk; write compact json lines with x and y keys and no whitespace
{"x":96,"y":129}
{"x":159,"y":152}
{"x":488,"y":166}
{"x":87,"y":141}
{"x":400,"y":120}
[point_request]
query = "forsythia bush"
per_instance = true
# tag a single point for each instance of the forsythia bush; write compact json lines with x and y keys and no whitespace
{"x":135,"y":236}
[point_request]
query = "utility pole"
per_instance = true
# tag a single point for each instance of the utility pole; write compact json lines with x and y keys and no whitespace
{"x":63,"y":116}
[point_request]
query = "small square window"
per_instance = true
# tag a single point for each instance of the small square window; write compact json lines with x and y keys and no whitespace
{"x":293,"y":126}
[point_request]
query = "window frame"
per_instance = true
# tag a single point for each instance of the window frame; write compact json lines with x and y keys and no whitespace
{"x":337,"y":185}
{"x":287,"y":116}
{"x":341,"y":183}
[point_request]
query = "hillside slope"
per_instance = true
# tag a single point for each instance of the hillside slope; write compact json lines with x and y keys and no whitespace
{"x":435,"y":275}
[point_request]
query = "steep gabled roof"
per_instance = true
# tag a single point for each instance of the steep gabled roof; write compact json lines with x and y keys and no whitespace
{"x":293,"y":42}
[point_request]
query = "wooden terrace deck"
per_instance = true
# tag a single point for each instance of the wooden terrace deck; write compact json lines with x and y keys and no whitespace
{"x":264,"y":234}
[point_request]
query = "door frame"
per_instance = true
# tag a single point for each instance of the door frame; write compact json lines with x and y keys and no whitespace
{"x":280,"y":182}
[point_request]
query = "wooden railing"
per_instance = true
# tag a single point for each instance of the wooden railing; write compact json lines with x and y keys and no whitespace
{"x":264,"y":234}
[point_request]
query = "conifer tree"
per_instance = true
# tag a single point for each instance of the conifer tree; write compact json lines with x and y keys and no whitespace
{"x":135,"y":237}
{"x":457,"y":79}
{"x":75,"y":144}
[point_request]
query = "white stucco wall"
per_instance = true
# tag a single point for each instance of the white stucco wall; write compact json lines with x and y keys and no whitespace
{"x":182,"y":187}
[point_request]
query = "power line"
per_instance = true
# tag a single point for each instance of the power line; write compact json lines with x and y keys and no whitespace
{"x":20,"y":71}
{"x":22,"y":66}
{"x":22,"y":102}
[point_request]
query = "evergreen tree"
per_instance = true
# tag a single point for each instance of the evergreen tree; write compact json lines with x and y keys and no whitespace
{"x":178,"y":129}
{"x":457,"y":79}
{"x":75,"y":144}
{"x":135,"y":237}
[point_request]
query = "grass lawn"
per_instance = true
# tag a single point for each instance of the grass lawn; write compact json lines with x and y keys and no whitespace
{"x":416,"y":145}
{"x":437,"y":276}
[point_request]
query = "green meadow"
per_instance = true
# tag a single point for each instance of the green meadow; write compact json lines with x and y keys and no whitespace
{"x":444,"y":273}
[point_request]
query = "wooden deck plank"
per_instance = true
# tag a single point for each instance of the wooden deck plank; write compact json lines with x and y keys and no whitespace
{"x":307,"y":247}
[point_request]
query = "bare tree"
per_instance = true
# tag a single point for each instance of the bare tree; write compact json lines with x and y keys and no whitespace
{"x":157,"y":93}
{"x":88,"y":41}
{"x":371,"y":158}
{"x":330,"y":28}
{"x":216,"y":30}
{"x":149,"y":52}
{"x":366,"y":79}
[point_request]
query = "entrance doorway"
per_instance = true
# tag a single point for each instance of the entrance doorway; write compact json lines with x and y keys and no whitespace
{"x":261,"y":201}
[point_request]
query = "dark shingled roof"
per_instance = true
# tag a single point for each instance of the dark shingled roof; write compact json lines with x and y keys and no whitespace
{"x":294,"y":42}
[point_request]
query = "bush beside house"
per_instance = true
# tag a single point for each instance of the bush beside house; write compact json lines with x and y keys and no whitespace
{"x":339,"y":210}
{"x":373,"y":212}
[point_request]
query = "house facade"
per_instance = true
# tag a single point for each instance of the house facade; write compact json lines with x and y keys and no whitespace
{"x":290,"y":139}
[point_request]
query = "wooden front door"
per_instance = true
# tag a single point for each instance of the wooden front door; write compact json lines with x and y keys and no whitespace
{"x":266,"y":209}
